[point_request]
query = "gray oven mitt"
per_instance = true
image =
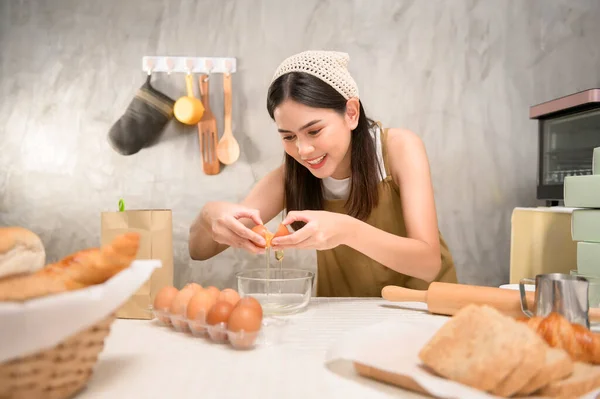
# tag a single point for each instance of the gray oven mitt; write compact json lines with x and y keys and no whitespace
{"x":143,"y":121}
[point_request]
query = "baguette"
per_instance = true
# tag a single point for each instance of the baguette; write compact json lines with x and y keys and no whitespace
{"x":79,"y":270}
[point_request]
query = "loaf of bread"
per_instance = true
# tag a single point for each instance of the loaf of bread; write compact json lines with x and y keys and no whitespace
{"x":557,"y":366}
{"x":21,"y":251}
{"x":477,"y":349}
{"x":76,"y":271}
{"x":584,"y":378}
{"x":486,"y":350}
{"x":533,"y":360}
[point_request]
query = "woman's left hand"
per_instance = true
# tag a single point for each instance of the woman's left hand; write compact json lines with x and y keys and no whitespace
{"x":323,"y":230}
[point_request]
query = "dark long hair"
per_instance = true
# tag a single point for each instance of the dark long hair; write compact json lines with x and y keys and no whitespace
{"x":303,"y":191}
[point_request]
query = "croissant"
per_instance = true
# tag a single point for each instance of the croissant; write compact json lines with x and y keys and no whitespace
{"x":81,"y":269}
{"x":579,"y":342}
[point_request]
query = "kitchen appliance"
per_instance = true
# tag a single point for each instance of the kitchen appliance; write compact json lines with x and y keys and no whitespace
{"x":569,"y":130}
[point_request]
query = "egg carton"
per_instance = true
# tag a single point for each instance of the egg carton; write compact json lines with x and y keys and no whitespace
{"x":271,"y":332}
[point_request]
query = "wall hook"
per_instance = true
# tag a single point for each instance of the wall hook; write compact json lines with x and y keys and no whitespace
{"x":208,"y":65}
{"x":228,"y":67}
{"x":149,"y":65}
{"x":188,"y":64}
{"x":170,"y":65}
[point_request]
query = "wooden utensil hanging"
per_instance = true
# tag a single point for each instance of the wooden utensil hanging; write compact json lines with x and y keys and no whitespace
{"x":448,"y":299}
{"x":207,"y":132}
{"x":228,"y":149}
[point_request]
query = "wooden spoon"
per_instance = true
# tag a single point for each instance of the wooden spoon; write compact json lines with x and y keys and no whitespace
{"x":228,"y":149}
{"x":207,"y":132}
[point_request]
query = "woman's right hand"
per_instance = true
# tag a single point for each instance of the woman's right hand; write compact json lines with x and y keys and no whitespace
{"x":227,"y":229}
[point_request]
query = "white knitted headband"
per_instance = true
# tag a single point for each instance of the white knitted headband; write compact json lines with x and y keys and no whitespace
{"x":329,"y":66}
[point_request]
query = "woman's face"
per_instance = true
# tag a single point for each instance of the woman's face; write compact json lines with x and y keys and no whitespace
{"x":317,"y":138}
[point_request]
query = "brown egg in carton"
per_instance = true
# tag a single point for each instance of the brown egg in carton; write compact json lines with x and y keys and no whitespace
{"x":209,"y":312}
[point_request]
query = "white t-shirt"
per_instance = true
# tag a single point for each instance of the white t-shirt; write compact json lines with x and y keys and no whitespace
{"x":340,"y":188}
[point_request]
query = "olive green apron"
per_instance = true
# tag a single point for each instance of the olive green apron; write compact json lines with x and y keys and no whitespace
{"x":345,"y":272}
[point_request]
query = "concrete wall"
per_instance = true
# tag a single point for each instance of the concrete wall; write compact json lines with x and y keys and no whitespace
{"x":461,"y":74}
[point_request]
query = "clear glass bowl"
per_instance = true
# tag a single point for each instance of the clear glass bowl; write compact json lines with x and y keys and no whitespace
{"x":594,"y":288}
{"x":279,"y":291}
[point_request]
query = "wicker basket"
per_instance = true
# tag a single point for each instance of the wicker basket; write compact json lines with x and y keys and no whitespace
{"x":56,"y":373}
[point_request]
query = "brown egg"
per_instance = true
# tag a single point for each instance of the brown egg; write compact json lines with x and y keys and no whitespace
{"x":262,"y":231}
{"x":252,"y":302}
{"x":195,"y":286}
{"x":163,"y":300}
{"x":244,"y":318}
{"x":219,"y":313}
{"x":165,"y":297}
{"x":199,"y":305}
{"x":282,"y":230}
{"x":179,"y":306}
{"x":244,"y":326}
{"x":229,"y":295}
{"x":214,"y":291}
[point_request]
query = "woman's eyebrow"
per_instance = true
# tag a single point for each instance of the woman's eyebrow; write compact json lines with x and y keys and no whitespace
{"x":309,"y":124}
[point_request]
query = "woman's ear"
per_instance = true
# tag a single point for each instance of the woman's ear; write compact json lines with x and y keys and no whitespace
{"x":352,"y":112}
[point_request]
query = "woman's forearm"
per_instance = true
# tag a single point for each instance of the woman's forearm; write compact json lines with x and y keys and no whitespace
{"x":404,"y":255}
{"x":201,"y":244}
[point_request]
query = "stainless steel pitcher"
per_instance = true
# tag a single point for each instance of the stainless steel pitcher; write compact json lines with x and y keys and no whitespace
{"x":560,"y":293}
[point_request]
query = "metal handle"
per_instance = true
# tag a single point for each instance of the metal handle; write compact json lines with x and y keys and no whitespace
{"x":522,"y":283}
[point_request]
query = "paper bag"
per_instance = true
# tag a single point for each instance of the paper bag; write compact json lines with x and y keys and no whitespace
{"x":155,"y":227}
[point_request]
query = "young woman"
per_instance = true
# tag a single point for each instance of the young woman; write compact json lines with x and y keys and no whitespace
{"x":359,"y":194}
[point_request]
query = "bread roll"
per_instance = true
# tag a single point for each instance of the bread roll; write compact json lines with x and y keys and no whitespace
{"x":79,"y":270}
{"x":21,"y":251}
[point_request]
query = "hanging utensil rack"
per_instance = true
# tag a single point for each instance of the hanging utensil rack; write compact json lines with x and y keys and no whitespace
{"x":204,"y":65}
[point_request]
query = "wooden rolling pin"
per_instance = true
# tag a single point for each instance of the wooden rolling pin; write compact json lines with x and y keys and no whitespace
{"x":447,"y":298}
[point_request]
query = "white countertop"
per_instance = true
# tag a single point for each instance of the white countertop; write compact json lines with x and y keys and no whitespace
{"x":142,"y":359}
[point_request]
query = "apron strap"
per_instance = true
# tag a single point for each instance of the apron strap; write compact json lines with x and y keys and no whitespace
{"x":384,"y":150}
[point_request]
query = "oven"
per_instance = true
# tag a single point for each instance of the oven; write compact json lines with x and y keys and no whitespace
{"x":568,"y":132}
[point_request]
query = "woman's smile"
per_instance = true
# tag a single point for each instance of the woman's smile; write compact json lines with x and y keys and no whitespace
{"x":318,"y":162}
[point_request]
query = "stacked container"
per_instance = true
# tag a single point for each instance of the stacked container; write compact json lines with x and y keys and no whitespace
{"x":583,"y":193}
